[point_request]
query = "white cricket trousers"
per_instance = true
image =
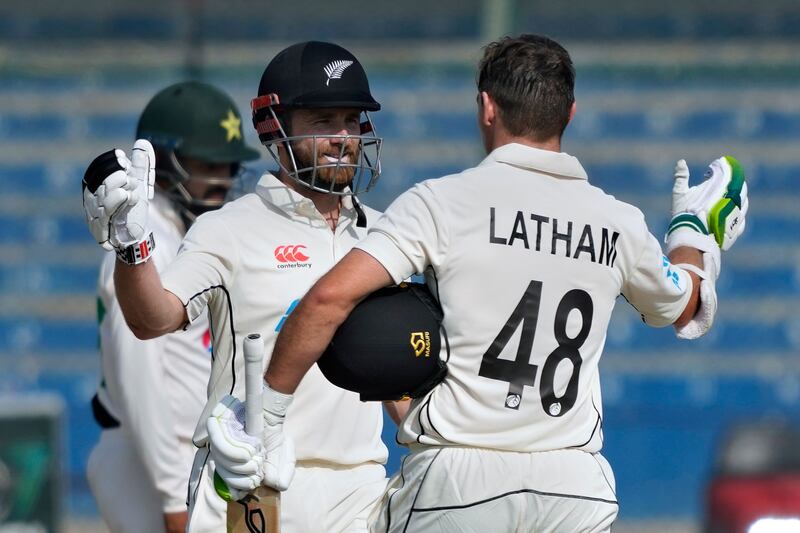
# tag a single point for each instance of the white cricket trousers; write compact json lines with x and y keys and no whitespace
{"x":321,"y":498}
{"x":125,"y":495}
{"x":471,"y":490}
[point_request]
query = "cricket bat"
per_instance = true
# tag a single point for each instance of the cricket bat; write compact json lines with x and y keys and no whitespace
{"x":259,"y":511}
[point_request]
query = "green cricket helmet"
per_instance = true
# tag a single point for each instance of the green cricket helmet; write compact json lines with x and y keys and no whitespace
{"x":193,"y":121}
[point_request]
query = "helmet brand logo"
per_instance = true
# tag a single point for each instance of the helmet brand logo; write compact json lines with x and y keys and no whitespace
{"x":291,"y":256}
{"x":232,"y":126}
{"x":335,"y":69}
{"x":421,"y":342}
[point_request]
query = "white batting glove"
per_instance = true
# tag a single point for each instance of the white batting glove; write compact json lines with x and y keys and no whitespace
{"x":716,"y":208}
{"x":243,"y":461}
{"x":707,"y":217}
{"x":238,"y":457}
{"x":116,"y":192}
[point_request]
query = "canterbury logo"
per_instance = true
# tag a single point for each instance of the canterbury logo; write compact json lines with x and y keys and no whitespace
{"x":291,"y":253}
{"x":335,"y":69}
{"x":421,"y":342}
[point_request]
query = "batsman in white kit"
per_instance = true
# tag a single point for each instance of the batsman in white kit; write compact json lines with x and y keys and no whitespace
{"x":247,"y":264}
{"x":527,"y":260}
{"x":152,"y":392}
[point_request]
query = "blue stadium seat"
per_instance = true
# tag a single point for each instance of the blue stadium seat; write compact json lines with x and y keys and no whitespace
{"x":774,"y":178}
{"x":727,"y":335}
{"x":112,"y":126}
{"x":138,"y":26}
{"x":32,"y":127}
{"x":706,"y":125}
{"x":18,"y":335}
{"x":623,"y":125}
{"x":629,"y":177}
{"x":77,"y":390}
{"x":23,"y":178}
{"x":661,"y":431}
{"x":780,"y":125}
{"x":43,"y":229}
{"x":43,"y":279}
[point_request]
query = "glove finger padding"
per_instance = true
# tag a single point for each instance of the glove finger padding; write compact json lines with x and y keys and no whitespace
{"x":102,"y":167}
{"x":243,"y":482}
{"x":727,"y":213}
{"x":227,"y":434}
{"x":249,"y":467}
{"x":104,"y":194}
{"x":130,"y":225}
{"x":280,"y":462}
{"x":681,"y":176}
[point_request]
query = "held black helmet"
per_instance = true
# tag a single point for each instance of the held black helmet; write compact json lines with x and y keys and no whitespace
{"x":389,"y":347}
{"x":193,"y":120}
{"x":317,"y":75}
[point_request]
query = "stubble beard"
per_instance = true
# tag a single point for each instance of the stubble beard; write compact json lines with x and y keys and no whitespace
{"x":329,"y":177}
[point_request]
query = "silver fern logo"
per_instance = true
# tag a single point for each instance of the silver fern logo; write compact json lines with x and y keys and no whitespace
{"x":335,"y":69}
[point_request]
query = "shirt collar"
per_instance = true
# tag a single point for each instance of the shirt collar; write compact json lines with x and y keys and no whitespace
{"x":558,"y":164}
{"x":274,"y":191}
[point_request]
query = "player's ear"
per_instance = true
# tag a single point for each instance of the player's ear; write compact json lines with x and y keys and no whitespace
{"x":487,"y":109}
{"x":572,"y":110}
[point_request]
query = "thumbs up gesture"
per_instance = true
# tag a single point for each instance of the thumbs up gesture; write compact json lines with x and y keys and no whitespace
{"x":116,"y":194}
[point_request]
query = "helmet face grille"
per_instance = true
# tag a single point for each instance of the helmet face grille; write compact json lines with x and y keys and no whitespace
{"x":366,"y":169}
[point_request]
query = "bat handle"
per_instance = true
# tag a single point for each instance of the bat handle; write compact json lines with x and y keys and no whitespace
{"x":253,"y":383}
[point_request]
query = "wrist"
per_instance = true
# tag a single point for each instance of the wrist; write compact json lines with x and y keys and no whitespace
{"x":274,"y":404}
{"x":690,"y":237}
{"x":173,"y":504}
{"x":137,"y":253}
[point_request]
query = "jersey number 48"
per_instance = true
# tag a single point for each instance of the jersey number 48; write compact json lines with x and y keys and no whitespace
{"x":519,"y":372}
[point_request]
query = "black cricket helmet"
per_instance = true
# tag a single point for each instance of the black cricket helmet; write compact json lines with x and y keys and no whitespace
{"x":317,"y":75}
{"x":193,"y":120}
{"x":389,"y":347}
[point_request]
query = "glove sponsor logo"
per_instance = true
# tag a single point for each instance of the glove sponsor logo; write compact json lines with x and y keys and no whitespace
{"x":421,"y":343}
{"x":335,"y":69}
{"x":292,"y":256}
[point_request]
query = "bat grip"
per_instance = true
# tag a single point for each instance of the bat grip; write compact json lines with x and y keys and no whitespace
{"x":253,"y":383}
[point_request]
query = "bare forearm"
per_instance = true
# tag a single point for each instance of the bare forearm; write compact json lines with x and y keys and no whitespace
{"x":149,"y":309}
{"x":694,"y":257}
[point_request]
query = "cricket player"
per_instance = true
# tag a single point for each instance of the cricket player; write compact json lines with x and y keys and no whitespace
{"x":527,"y":259}
{"x":152,"y":392}
{"x":246,"y":266}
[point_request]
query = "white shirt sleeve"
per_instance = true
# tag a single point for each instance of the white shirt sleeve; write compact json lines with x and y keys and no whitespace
{"x":656,"y":288}
{"x":411,"y":234}
{"x":144,"y":406}
{"x":206,"y":259}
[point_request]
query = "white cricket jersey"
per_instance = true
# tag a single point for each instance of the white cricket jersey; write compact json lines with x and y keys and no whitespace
{"x":249,"y":263}
{"x":154,"y":388}
{"x":529,"y":259}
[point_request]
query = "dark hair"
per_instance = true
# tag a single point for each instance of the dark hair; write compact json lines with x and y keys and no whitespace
{"x":531,"y":79}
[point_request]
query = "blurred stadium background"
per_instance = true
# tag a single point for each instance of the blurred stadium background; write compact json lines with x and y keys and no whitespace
{"x":656,"y":81}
